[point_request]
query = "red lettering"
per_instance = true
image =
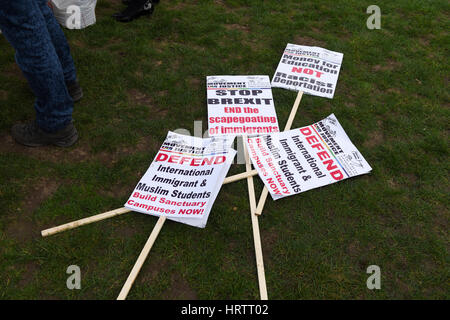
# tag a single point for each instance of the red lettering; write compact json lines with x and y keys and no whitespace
{"x":184,"y":159}
{"x":219,"y":160}
{"x":318,"y":146}
{"x":307,"y":71}
{"x":311,"y":139}
{"x":329,"y":164}
{"x":208,"y":161}
{"x":306,"y":131}
{"x":174,"y":159}
{"x":337,"y":175}
{"x":195,"y":162}
{"x":323,"y":155}
{"x":161,"y":157}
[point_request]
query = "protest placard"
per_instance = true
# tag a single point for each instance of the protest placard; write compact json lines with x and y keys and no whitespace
{"x":184,"y":179}
{"x":313,"y":70}
{"x":240,"y":105}
{"x":309,"y":157}
{"x":181,"y":184}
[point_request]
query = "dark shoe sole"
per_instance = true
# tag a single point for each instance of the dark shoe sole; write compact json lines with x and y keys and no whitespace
{"x":60,"y":142}
{"x":67,"y":142}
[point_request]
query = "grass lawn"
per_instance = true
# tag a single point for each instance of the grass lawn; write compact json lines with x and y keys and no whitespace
{"x":147,"y":77}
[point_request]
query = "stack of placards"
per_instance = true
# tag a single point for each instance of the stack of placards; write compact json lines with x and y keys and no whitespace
{"x":187,"y":173}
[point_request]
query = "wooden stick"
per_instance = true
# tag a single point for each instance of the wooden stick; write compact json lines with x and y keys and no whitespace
{"x":141,"y":259}
{"x":251,"y":187}
{"x":155,"y":232}
{"x":157,"y":228}
{"x":262,"y":201}
{"x":81,"y":222}
{"x":293,"y":111}
{"x":255,"y":227}
{"x":265,"y":192}
{"x":119,"y":211}
{"x":240,"y":176}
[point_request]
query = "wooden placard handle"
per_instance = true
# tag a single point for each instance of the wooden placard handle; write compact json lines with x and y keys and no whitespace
{"x":119,"y":211}
{"x":141,"y":259}
{"x":255,"y":228}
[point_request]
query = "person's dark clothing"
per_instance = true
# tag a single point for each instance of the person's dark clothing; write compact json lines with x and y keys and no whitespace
{"x":43,"y":55}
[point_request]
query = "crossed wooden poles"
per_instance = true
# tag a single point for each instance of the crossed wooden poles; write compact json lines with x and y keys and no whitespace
{"x":255,"y":211}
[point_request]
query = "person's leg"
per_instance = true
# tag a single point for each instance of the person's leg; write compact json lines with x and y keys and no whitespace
{"x":62,"y":50}
{"x":25,"y":28}
{"x":59,"y":41}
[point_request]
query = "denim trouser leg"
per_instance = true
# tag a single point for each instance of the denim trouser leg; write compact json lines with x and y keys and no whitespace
{"x":59,"y":42}
{"x":25,"y":27}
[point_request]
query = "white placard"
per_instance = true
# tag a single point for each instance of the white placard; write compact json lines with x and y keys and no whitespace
{"x":313,"y":70}
{"x":240,"y":105}
{"x":184,"y":179}
{"x":301,"y":159}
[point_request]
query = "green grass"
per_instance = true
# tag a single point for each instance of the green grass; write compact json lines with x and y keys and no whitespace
{"x":147,"y":77}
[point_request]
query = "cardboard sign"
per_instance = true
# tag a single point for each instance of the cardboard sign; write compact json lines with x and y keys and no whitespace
{"x":184,"y":179}
{"x":302,"y":159}
{"x":240,"y":105}
{"x":313,"y":70}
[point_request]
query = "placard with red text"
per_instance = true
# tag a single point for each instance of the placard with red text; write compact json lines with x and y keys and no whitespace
{"x":298,"y":160}
{"x":184,"y":179}
{"x":240,"y":105}
{"x":313,"y":70}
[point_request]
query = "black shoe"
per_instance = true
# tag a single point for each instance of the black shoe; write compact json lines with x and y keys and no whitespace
{"x":127,"y":2}
{"x":75,"y":90}
{"x":29,"y":134}
{"x":134,"y":11}
{"x":147,"y":6}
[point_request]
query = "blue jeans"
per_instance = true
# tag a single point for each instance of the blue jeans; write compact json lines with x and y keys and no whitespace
{"x":43,"y":55}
